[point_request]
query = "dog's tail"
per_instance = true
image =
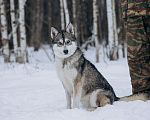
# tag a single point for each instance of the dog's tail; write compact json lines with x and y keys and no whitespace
{"x":139,"y":96}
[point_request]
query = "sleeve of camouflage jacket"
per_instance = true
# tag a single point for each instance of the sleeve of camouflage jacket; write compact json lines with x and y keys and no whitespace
{"x":131,"y":8}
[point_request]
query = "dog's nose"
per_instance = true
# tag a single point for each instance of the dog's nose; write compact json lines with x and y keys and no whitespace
{"x":65,"y":51}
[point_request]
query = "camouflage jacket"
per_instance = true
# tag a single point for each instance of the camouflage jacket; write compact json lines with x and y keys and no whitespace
{"x":133,"y":8}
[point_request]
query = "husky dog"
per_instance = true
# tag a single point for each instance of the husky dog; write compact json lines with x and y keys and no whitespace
{"x":80,"y":78}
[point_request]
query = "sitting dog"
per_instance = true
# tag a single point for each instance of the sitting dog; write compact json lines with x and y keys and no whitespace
{"x":80,"y":78}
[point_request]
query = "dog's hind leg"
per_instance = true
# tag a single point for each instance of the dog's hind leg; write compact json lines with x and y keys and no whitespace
{"x":86,"y":103}
{"x":102,"y":100}
{"x":97,"y":98}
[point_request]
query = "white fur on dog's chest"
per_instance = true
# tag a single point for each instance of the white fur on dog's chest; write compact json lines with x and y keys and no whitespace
{"x":66,"y":74}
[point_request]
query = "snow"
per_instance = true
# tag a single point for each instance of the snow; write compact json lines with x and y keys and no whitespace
{"x":32,"y":91}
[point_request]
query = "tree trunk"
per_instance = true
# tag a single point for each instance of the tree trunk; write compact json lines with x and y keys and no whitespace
{"x":112,"y":30}
{"x":22,"y":31}
{"x":78,"y":22}
{"x":33,"y":20}
{"x":100,"y":28}
{"x":14,"y":27}
{"x":66,"y":12}
{"x":74,"y":16}
{"x":115,"y":53}
{"x":4,"y":33}
{"x":38,"y":25}
{"x":49,"y":18}
{"x":100,"y":18}
{"x":122,"y":31}
{"x":62,"y":15}
{"x":95,"y":25}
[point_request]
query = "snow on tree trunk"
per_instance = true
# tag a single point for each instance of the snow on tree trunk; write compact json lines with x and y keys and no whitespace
{"x":74,"y":16}
{"x":14,"y":31}
{"x":22,"y":31}
{"x":112,"y":30}
{"x":4,"y":32}
{"x":62,"y":15}
{"x":66,"y":12}
{"x":95,"y":25}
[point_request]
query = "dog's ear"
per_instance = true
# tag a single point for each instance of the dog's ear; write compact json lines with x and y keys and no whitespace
{"x":70,"y":28}
{"x":54,"y":32}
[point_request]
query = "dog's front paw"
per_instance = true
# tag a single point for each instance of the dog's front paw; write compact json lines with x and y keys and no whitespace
{"x":92,"y":109}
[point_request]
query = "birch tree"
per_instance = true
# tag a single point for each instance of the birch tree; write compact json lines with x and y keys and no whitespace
{"x":4,"y":33}
{"x":14,"y":27}
{"x":66,"y":12}
{"x":95,"y":24}
{"x":112,"y":30}
{"x":62,"y":15}
{"x":22,"y":31}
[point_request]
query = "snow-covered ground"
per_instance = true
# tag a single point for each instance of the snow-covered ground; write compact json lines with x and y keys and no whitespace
{"x":33,"y":91}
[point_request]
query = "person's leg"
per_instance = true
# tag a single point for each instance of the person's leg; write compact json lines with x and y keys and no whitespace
{"x":138,"y":50}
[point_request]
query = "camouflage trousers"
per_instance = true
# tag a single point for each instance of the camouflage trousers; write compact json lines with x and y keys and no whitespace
{"x":138,"y":52}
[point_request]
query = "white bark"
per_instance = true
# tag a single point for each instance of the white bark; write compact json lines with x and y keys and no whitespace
{"x":4,"y":32}
{"x":115,"y":56}
{"x":62,"y":15}
{"x":22,"y":31}
{"x":95,"y":25}
{"x":66,"y":12}
{"x":14,"y":29}
{"x":112,"y":30}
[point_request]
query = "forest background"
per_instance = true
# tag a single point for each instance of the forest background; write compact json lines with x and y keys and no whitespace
{"x":27,"y":23}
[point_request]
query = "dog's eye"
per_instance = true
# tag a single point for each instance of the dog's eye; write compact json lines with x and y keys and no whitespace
{"x":68,"y":42}
{"x":59,"y":43}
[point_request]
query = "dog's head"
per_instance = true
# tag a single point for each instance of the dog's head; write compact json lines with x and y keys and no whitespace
{"x":64,"y":42}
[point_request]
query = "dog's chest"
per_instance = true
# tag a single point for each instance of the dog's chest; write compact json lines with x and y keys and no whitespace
{"x":67,"y":73}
